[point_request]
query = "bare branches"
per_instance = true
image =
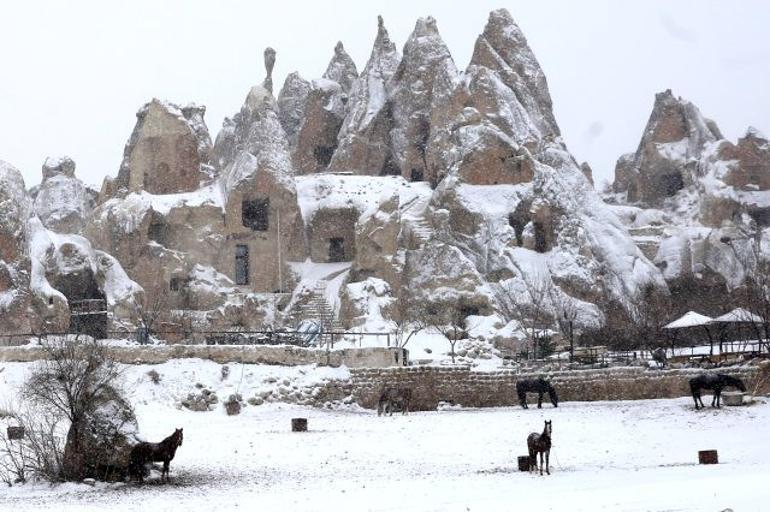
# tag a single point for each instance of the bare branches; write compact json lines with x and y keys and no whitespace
{"x":38,"y":455}
{"x":71,"y":378}
{"x":526,"y":302}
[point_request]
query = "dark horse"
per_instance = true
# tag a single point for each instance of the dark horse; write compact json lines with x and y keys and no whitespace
{"x":145,"y":452}
{"x":540,"y":443}
{"x":715,"y":382}
{"x":539,"y":386}
{"x":390,"y":398}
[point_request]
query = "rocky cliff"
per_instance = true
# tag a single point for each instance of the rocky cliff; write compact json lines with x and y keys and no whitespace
{"x":412,"y":186}
{"x":696,"y":203}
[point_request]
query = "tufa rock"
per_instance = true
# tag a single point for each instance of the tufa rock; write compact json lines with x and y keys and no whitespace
{"x":364,"y":139}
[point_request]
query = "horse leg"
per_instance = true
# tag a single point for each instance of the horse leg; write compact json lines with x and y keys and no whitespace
{"x":547,"y":458}
{"x":717,"y":396}
{"x":164,"y":474}
{"x":541,"y":463}
{"x":539,"y":399}
{"x":695,"y":399}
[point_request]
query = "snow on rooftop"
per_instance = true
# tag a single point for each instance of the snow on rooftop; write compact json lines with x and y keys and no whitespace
{"x":739,"y":315}
{"x":689,"y":319}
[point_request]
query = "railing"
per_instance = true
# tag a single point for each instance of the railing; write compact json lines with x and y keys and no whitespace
{"x":322,"y":339}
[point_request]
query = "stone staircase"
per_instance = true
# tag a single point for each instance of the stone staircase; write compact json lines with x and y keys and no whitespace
{"x":647,"y":238}
{"x":314,"y":306}
{"x":416,"y":222}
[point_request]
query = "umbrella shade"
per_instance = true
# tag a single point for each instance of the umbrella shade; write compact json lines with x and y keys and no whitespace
{"x":689,"y":319}
{"x":738,"y":315}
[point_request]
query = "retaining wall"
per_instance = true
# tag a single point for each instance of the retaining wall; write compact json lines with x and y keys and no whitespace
{"x":285,"y":355}
{"x":430,"y":385}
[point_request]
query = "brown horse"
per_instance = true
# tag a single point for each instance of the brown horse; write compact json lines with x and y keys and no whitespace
{"x":540,"y":443}
{"x":163,"y":451}
{"x":391,"y":398}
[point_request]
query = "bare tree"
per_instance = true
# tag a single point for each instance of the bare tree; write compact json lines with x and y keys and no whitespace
{"x":157,"y":301}
{"x":413,"y":317}
{"x":37,"y":454}
{"x":566,"y":313}
{"x":448,"y":318}
{"x":755,"y":292}
{"x":648,"y":316}
{"x":527,"y":303}
{"x":72,"y":382}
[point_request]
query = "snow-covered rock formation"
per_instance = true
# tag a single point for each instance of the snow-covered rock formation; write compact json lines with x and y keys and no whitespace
{"x":366,"y":199}
{"x":62,"y":202}
{"x":697,"y":204}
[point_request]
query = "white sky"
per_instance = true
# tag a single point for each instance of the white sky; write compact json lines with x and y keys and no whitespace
{"x":73,"y":74}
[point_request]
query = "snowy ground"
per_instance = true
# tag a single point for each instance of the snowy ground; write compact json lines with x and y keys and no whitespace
{"x":638,"y":455}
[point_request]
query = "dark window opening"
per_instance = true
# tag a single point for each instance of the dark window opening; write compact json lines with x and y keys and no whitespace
{"x":241,"y":264}
{"x":255,"y":214}
{"x":336,"y":250}
{"x":518,"y":220}
{"x":158,"y":232}
{"x":176,"y":284}
{"x":417,"y":175}
{"x":670,"y":184}
{"x":50,"y":301}
{"x":323,"y":154}
{"x":541,"y":242}
{"x":389,"y":168}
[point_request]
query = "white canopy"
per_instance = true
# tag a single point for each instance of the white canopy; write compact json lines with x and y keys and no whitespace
{"x":689,"y":319}
{"x":738,"y":315}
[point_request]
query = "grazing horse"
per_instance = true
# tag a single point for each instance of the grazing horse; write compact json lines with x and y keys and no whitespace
{"x":540,"y":443}
{"x":715,"y":382}
{"x":390,"y":398}
{"x":163,"y":451}
{"x":539,"y":386}
{"x":659,"y":356}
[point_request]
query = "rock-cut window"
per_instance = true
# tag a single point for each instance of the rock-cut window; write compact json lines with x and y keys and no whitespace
{"x":255,"y":214}
{"x":241,"y":264}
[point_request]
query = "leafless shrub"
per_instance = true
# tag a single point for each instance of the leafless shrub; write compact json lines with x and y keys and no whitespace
{"x":70,"y":383}
{"x":38,"y":455}
{"x":154,"y":376}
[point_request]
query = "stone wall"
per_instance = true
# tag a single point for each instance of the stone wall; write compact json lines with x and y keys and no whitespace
{"x":461,"y":385}
{"x":286,"y":355}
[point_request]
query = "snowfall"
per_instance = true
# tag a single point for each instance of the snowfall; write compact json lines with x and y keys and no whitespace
{"x":636,"y":455}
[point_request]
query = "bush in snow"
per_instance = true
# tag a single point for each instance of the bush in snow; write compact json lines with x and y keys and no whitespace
{"x":154,"y":376}
{"x":78,"y":382}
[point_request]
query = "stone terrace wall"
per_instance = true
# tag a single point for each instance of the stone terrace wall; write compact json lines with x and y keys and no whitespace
{"x":286,"y":355}
{"x":430,"y":385}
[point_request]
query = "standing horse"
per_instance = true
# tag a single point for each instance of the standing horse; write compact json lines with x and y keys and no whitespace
{"x":539,"y":386}
{"x":540,"y":443}
{"x":715,"y":382}
{"x":390,"y":398}
{"x":163,"y":451}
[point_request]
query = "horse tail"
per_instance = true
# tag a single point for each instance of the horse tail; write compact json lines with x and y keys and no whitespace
{"x":554,"y":397}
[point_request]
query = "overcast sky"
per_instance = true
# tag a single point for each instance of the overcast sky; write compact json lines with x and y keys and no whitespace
{"x":73,"y":74}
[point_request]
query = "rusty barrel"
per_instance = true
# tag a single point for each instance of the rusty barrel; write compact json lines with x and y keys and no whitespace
{"x":708,"y":457}
{"x":299,"y":424}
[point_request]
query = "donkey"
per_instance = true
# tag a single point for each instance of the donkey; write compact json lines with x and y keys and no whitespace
{"x":539,"y":386}
{"x":715,"y":382}
{"x":390,"y":398}
{"x":163,"y":451}
{"x":540,"y":443}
